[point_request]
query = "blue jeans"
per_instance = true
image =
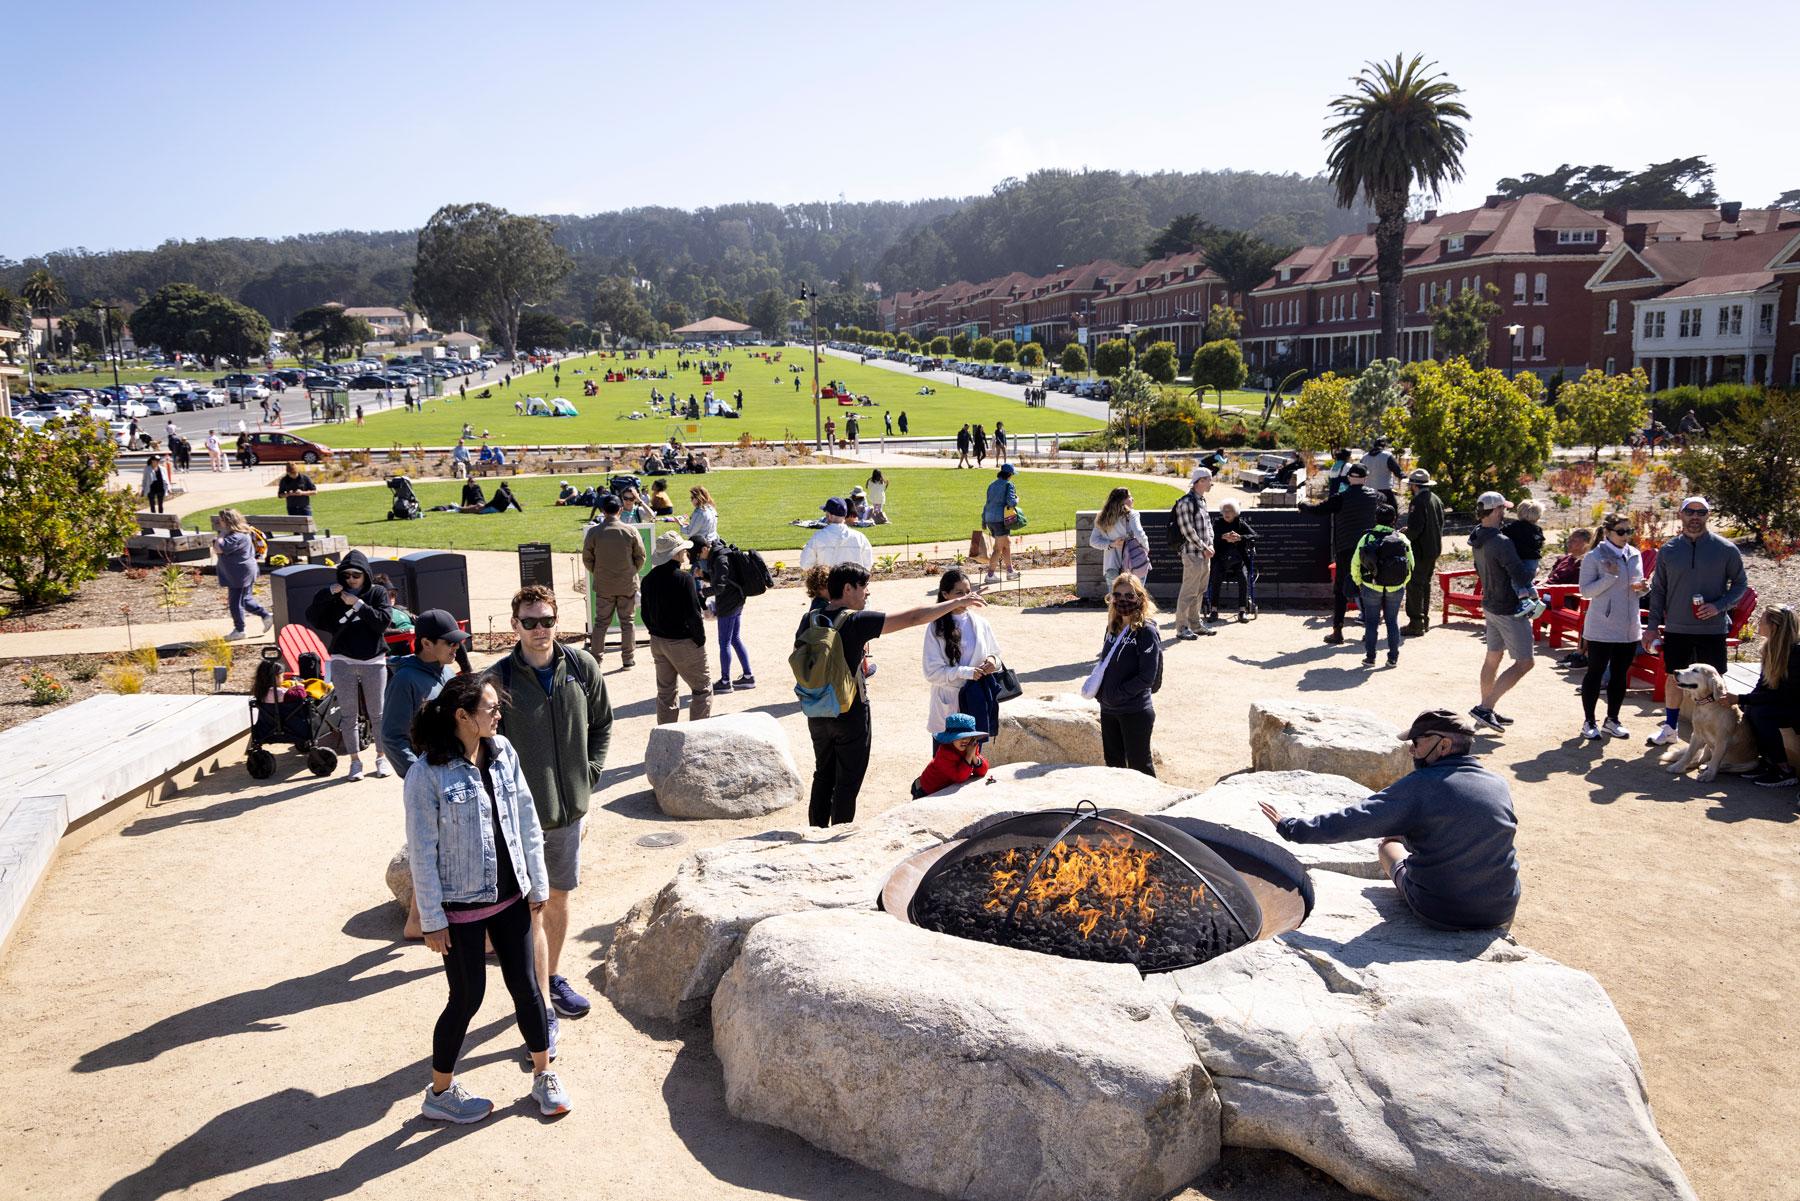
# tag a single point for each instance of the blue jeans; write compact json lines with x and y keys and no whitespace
{"x":1375,"y":605}
{"x":237,"y":600}
{"x":729,"y":637}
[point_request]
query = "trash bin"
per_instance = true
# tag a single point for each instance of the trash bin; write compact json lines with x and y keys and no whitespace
{"x":439,"y":579}
{"x":291,"y":590}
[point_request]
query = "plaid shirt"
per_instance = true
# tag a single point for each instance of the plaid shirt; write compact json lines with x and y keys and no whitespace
{"x":1194,"y":524}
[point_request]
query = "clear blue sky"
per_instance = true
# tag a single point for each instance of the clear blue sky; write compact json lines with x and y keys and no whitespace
{"x":132,"y":123}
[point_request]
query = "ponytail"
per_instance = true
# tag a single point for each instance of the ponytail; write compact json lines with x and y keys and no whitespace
{"x":433,"y":734}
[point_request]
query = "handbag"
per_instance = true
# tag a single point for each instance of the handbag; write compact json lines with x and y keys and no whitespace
{"x":1090,"y":687}
{"x":1137,"y":559}
{"x":1007,"y":681}
{"x":1015,"y":520}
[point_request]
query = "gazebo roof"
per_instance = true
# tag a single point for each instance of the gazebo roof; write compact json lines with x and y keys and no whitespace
{"x":713,"y":325}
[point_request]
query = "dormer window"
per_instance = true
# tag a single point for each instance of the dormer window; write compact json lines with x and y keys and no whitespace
{"x":1342,"y":266}
{"x":1287,"y":273}
{"x":1577,"y":237}
{"x":1454,"y":243}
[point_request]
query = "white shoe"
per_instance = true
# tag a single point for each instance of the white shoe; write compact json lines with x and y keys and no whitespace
{"x":1665,"y":734}
{"x":381,"y":768}
{"x":1013,"y":574}
{"x":1612,"y":729}
{"x":1590,"y":732}
{"x":235,"y":636}
{"x":356,"y":770}
{"x":990,"y":578}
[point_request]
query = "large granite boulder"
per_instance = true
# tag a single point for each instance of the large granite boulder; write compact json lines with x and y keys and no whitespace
{"x":1331,"y":739}
{"x":399,"y":877}
{"x":669,"y":952}
{"x":971,"y":1070}
{"x":1234,"y":802}
{"x":1409,"y":1063}
{"x":737,"y":765}
{"x":1062,"y":727}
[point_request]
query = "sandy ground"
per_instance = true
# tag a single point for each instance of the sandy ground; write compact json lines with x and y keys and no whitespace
{"x":212,"y":999}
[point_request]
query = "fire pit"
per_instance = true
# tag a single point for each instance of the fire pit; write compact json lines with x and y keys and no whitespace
{"x":1105,"y":885}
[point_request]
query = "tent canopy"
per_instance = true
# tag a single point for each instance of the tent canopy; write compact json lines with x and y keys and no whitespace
{"x":714,"y":325}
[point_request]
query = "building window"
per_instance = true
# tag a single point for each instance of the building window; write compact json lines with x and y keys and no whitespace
{"x":1518,"y":344}
{"x":1342,"y":266}
{"x":1540,"y":289}
{"x":1577,"y":237}
{"x":1731,"y":320}
{"x":1612,"y":365}
{"x":1422,"y":305}
{"x":1372,"y":307}
{"x":1690,"y":323}
{"x":1467,"y":286}
{"x":1456,"y":244}
{"x":1765,"y":319}
{"x":1794,"y":372}
{"x":1656,"y":325}
{"x":1519,"y":288}
{"x":1612,"y":319}
{"x":1537,"y":341}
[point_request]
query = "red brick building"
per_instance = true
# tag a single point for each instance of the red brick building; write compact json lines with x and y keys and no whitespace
{"x":1168,"y":299}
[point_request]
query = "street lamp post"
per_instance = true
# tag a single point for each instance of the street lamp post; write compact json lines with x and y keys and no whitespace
{"x":811,"y":296}
{"x":106,"y":312}
{"x":1512,"y":348}
{"x":1127,"y":330}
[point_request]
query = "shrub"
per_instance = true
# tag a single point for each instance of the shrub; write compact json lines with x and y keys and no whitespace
{"x":1749,"y":465}
{"x":124,"y":677}
{"x":983,"y":348}
{"x":1712,"y":405}
{"x":145,"y":658}
{"x":940,"y":345}
{"x":59,"y":523}
{"x":44,"y":688}
{"x":1074,"y":359}
{"x":959,"y":346}
{"x":1320,"y":415}
{"x":1005,"y":351}
{"x":1602,"y":410}
{"x":1473,"y":429}
{"x":1219,"y":365}
{"x":216,"y":652}
{"x":85,"y":670}
{"x":1161,"y":362}
{"x":1031,"y":355}
{"x":1112,"y":357}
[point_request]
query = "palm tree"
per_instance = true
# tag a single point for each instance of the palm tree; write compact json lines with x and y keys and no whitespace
{"x":1399,"y":127}
{"x":42,"y":291}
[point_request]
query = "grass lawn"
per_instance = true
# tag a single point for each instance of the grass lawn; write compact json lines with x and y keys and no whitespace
{"x":926,"y":504}
{"x":773,"y":410}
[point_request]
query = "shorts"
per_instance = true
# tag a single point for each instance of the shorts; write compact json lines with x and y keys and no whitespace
{"x":1685,"y":650}
{"x":562,"y":856}
{"x":1509,"y":633}
{"x":997,"y":529}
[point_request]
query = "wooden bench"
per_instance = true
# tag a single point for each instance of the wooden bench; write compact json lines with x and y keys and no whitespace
{"x":486,"y":469}
{"x":1277,"y":498}
{"x":160,"y":541}
{"x":285,"y":523}
{"x":578,"y":466}
{"x":298,"y":537}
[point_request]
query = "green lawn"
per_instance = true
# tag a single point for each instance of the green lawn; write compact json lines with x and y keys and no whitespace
{"x":926,"y":504}
{"x":773,"y":410}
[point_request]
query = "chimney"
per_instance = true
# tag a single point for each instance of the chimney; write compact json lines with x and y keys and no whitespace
{"x":1429,"y":217}
{"x":1371,"y":230}
{"x":1636,"y":234}
{"x":1494,"y":201}
{"x":1729,"y":210}
{"x":1615,"y":213}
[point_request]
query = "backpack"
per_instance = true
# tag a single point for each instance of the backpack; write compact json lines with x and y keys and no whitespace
{"x":823,"y":679}
{"x":1384,"y":560}
{"x":577,"y":670}
{"x":259,"y":543}
{"x":748,"y":570}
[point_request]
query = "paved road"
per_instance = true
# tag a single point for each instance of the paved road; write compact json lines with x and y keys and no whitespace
{"x":1060,"y":401}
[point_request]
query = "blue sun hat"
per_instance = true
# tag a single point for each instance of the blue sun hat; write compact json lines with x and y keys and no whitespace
{"x":959,"y":725}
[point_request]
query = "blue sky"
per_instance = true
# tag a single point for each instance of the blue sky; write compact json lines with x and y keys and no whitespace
{"x":188,"y":119}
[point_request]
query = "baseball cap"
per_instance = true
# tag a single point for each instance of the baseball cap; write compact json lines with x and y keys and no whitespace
{"x":1200,"y":473}
{"x":1006,"y":469}
{"x":1491,"y":500}
{"x":1438,"y":721}
{"x":1356,"y":469}
{"x":835,"y":507}
{"x":1697,"y":500}
{"x":439,"y":626}
{"x":610,"y":502}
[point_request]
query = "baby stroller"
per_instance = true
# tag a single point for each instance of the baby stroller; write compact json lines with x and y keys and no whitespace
{"x":406,"y":501}
{"x":292,"y":709}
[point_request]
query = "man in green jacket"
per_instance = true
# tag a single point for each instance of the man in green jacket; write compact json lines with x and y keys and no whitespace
{"x":558,"y":719}
{"x":1424,"y":527}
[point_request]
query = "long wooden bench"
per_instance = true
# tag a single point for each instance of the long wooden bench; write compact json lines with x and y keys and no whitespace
{"x":298,"y":537}
{"x":578,"y":466}
{"x":160,"y":540}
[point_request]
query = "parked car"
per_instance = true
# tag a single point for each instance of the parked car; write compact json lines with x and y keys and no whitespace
{"x":236,"y":379}
{"x":251,"y":391}
{"x":160,"y":406}
{"x":273,"y":447}
{"x":202,"y":398}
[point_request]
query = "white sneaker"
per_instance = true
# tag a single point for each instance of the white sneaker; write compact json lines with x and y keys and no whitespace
{"x":381,"y":768}
{"x":990,"y":578}
{"x":356,"y":770}
{"x":236,"y":636}
{"x":1665,"y":734}
{"x":1590,"y":732}
{"x":1612,"y":729}
{"x":1013,"y":574}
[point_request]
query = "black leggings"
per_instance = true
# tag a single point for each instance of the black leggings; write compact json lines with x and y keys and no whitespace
{"x":1600,"y":656}
{"x":158,"y":490}
{"x":466,"y":967}
{"x":1125,"y":739}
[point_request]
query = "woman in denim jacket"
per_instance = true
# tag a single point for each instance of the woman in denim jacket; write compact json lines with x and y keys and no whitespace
{"x":477,"y":855}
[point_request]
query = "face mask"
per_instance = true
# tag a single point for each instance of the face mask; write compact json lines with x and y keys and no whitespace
{"x":1125,"y":604}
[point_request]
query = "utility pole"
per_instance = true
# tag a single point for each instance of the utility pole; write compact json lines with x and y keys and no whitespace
{"x":811,"y":296}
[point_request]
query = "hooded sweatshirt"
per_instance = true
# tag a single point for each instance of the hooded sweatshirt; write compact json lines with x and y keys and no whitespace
{"x":353,"y":631}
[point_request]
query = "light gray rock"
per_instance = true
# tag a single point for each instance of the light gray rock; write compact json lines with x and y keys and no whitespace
{"x":1331,"y":739}
{"x":669,"y":952}
{"x":733,"y":766}
{"x":1233,"y":802}
{"x":971,"y":1070}
{"x":1061,"y":727}
{"x":399,"y":878}
{"x":1409,"y":1063}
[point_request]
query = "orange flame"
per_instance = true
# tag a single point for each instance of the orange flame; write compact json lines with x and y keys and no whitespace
{"x":1083,"y":884}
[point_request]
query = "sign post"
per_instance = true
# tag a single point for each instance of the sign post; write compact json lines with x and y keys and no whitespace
{"x":535,"y":566}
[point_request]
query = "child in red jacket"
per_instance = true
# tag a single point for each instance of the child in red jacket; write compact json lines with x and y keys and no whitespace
{"x":957,"y":759}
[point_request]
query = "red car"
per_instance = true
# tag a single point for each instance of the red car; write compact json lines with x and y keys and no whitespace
{"x":275,"y":447}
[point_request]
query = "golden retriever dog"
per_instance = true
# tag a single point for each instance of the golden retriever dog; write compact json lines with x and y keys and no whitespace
{"x":1721,"y":739}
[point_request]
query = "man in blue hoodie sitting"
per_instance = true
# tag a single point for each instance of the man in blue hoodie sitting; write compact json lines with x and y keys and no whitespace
{"x":1446,"y":828}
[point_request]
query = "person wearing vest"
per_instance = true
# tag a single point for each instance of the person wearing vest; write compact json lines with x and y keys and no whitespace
{"x":1424,"y":528}
{"x":1381,"y":567}
{"x":556,"y":714}
{"x":613,"y":554}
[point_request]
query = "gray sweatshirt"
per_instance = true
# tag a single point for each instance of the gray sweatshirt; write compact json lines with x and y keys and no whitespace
{"x":1708,"y":566}
{"x":1503,"y":576}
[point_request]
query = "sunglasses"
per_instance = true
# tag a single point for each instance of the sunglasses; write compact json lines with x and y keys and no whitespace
{"x":536,"y":623}
{"x":1624,"y":532}
{"x":1693,"y":512}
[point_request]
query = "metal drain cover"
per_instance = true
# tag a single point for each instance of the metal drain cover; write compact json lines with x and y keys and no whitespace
{"x":662,"y":840}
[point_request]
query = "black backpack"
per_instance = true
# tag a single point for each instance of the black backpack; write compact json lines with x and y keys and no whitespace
{"x":1384,"y":560}
{"x":748,"y":570}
